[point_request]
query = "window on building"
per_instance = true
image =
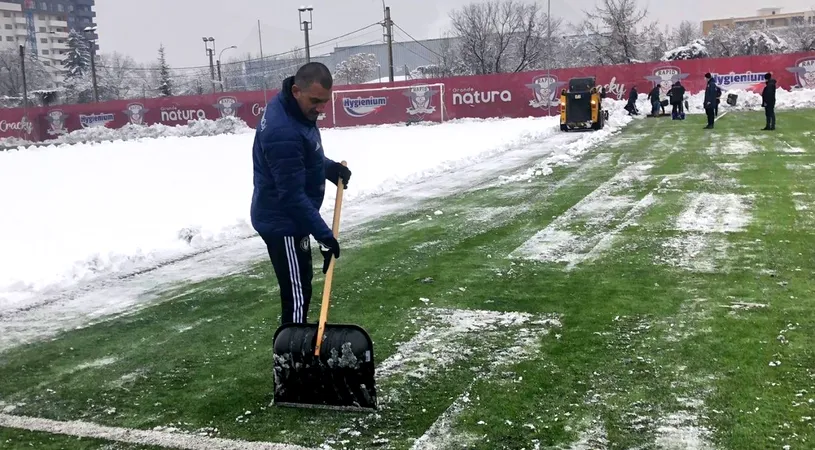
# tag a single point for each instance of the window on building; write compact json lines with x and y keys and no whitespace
{"x":43,"y":30}
{"x":44,"y":40}
{"x":41,"y":17}
{"x":60,"y":7}
{"x":9,"y":27}
{"x":9,"y":38}
{"x":6,"y":13}
{"x":61,"y":41}
{"x":46,"y":52}
{"x":47,"y":63}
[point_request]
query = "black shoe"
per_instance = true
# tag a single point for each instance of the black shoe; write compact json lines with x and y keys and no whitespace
{"x":709,"y":127}
{"x":765,"y":129}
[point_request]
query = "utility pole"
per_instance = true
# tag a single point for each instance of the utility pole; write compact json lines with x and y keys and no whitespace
{"x":220,"y":56}
{"x":305,"y":26}
{"x":549,"y":48}
{"x":92,"y":43}
{"x":389,"y":35}
{"x":262,"y":65}
{"x":25,"y":86}
{"x":211,"y":54}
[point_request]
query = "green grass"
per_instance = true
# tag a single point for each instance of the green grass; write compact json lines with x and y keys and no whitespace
{"x":646,"y":352}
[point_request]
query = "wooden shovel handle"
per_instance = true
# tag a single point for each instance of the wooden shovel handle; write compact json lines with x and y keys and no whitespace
{"x":329,"y":275}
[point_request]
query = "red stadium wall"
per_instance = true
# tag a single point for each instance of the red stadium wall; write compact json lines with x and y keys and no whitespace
{"x":504,"y":95}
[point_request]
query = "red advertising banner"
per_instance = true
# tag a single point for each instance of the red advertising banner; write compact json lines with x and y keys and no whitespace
{"x":521,"y":94}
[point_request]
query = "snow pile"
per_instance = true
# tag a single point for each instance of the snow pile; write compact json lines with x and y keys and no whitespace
{"x":696,"y":50}
{"x":13,"y":142}
{"x":228,"y":125}
{"x":73,"y":212}
{"x":751,"y":101}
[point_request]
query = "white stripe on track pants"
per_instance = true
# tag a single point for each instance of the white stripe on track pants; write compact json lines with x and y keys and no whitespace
{"x":291,"y":259}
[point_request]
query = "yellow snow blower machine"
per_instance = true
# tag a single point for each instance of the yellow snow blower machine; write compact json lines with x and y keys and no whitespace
{"x":581,"y":107}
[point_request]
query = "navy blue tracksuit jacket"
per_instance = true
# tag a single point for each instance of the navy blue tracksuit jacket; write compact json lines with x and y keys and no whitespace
{"x":710,"y":94}
{"x":289,"y":171}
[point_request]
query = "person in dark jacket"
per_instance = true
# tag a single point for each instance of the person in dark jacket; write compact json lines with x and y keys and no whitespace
{"x":631,"y":106}
{"x":677,"y":94}
{"x":768,"y":101}
{"x":290,"y":170}
{"x":718,"y":101}
{"x":710,"y":101}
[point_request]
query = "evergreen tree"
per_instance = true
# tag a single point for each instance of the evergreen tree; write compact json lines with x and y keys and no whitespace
{"x":165,"y":84}
{"x":78,"y":60}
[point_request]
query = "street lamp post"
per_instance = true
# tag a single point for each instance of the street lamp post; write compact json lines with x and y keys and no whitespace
{"x":305,"y":26}
{"x":210,"y":52}
{"x":220,"y":80}
{"x":92,"y":42}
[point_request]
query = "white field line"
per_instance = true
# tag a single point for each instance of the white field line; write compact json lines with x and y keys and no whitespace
{"x":164,"y":439}
{"x":411,"y":360}
{"x":719,"y":117}
{"x":608,"y":238}
{"x":556,"y":244}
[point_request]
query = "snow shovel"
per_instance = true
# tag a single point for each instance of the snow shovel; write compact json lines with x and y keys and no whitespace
{"x":323,"y":365}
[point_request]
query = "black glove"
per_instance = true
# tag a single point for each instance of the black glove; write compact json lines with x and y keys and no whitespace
{"x":336,"y":171}
{"x":329,"y":247}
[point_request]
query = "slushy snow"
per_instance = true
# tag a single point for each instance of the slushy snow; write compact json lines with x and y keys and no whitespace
{"x":72,"y":212}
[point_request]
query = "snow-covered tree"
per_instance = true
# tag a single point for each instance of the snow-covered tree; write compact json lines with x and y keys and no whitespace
{"x":686,"y":33}
{"x":612,"y":29}
{"x":120,"y":77}
{"x":77,"y":61}
{"x":723,"y":42}
{"x":800,"y":36}
{"x":654,"y":42}
{"x":357,"y":69}
{"x":696,"y":50}
{"x":165,"y":87}
{"x":499,"y":36}
{"x":11,"y":82}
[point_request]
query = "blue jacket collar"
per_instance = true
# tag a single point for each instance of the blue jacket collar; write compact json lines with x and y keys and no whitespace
{"x":290,"y":103}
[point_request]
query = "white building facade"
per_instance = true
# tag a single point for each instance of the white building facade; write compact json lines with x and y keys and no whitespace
{"x":51,"y":33}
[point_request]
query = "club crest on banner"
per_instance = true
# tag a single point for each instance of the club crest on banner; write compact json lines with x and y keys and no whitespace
{"x":135,"y":113}
{"x":804,"y":71}
{"x":665,"y":77}
{"x":421,"y":100}
{"x":56,"y":120}
{"x":545,"y":90}
{"x":228,"y":106}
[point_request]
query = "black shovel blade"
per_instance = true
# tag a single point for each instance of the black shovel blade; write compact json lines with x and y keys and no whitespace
{"x":342,"y":377}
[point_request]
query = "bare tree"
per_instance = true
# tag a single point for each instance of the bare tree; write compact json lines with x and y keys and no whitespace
{"x":654,"y":42}
{"x":498,"y":36}
{"x":686,"y":33}
{"x":11,"y":74}
{"x":614,"y":25}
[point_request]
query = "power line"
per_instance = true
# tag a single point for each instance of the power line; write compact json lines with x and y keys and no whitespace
{"x":415,"y":40}
{"x":265,"y":57}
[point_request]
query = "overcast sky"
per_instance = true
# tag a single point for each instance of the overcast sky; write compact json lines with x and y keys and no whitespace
{"x":136,"y":28}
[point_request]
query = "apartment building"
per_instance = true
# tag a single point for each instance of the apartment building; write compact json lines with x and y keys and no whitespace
{"x":51,"y":31}
{"x":771,"y":18}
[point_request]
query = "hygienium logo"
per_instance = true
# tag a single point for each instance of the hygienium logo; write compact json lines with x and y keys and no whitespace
{"x":361,"y":107}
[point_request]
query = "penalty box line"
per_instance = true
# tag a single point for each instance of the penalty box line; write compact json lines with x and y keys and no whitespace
{"x":164,"y":439}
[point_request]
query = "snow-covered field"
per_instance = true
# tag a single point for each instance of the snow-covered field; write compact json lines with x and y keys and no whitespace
{"x":73,"y":212}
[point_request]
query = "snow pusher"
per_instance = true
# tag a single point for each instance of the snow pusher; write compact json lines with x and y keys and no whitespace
{"x":324,"y":365}
{"x":581,"y":107}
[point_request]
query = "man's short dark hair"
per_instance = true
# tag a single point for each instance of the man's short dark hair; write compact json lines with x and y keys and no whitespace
{"x":708,"y":75}
{"x":313,"y":72}
{"x":768,"y":75}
